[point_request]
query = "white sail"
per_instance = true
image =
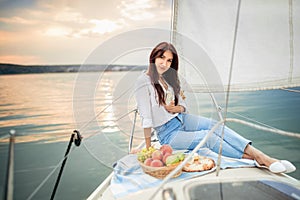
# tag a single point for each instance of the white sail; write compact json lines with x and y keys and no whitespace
{"x":267,"y":48}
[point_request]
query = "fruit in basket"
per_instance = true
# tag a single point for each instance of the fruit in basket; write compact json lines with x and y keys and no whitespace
{"x":165,"y":148}
{"x":157,"y":163}
{"x":181,"y":156}
{"x":172,"y":159}
{"x":166,"y":155}
{"x":148,"y":161}
{"x":145,"y":153}
{"x":157,"y":155}
{"x":175,"y":158}
{"x":154,"y":161}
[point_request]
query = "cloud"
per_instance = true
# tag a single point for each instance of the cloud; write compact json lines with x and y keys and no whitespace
{"x":23,"y":59}
{"x":75,"y":24}
{"x":137,"y":9}
{"x":57,"y":31}
{"x":104,"y":26}
{"x":71,"y":19}
{"x":90,"y":29}
{"x":17,"y":20}
{"x":35,"y":28}
{"x":69,"y":15}
{"x":60,"y":19}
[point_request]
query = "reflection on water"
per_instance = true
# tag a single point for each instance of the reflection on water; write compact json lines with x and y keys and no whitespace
{"x":40,"y":106}
{"x":37,"y":106}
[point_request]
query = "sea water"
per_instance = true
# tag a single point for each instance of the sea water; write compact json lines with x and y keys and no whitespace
{"x":44,"y":109}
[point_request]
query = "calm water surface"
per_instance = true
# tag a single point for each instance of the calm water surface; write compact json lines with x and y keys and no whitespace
{"x":44,"y":109}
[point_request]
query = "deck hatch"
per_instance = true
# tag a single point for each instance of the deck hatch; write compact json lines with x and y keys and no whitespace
{"x":263,"y":190}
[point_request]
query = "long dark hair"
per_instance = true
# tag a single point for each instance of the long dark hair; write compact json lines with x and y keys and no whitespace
{"x":171,"y":75}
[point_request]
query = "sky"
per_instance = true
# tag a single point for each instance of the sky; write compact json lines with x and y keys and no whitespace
{"x":66,"y":31}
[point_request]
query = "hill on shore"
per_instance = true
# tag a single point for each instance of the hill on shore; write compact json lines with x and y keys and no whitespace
{"x":32,"y":69}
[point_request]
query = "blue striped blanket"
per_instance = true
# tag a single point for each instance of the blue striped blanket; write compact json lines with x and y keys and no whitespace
{"x":129,"y":177}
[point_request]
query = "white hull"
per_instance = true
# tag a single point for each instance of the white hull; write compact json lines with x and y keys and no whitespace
{"x":180,"y":188}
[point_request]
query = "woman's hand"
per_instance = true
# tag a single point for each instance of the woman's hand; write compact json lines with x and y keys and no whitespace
{"x":134,"y":151}
{"x":171,"y":108}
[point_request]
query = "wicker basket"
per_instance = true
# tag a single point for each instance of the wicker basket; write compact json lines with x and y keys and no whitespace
{"x":160,"y":172}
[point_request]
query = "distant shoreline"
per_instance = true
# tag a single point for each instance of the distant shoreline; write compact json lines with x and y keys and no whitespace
{"x":6,"y":69}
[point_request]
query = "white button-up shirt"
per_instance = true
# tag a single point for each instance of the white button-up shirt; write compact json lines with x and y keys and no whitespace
{"x":152,"y":114}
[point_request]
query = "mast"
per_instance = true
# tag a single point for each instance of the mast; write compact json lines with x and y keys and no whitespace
{"x":291,"y":41}
{"x":174,"y":16}
{"x":9,"y":186}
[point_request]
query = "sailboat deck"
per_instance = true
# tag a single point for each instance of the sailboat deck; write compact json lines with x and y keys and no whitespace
{"x":180,"y":188}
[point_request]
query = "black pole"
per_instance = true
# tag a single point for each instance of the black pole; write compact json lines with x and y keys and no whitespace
{"x":77,"y":141}
{"x":9,"y":190}
{"x":62,"y":166}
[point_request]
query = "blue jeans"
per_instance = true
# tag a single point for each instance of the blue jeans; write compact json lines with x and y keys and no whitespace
{"x":186,"y":131}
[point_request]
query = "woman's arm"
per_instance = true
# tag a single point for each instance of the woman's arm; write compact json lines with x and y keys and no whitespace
{"x":142,"y":95}
{"x":147,"y":135}
{"x":143,"y":99}
{"x":174,"y":109}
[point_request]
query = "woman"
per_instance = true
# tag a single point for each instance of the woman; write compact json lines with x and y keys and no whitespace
{"x":161,"y":106}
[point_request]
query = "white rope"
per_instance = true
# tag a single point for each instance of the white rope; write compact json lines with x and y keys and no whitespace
{"x":291,"y":90}
{"x":174,"y":15}
{"x":274,"y":130}
{"x":251,"y":87}
{"x":99,"y":113}
{"x":96,"y":132}
{"x":291,"y":41}
{"x":229,"y":82}
{"x":253,"y":120}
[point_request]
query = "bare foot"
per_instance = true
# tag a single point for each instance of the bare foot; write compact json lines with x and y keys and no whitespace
{"x":251,"y":152}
